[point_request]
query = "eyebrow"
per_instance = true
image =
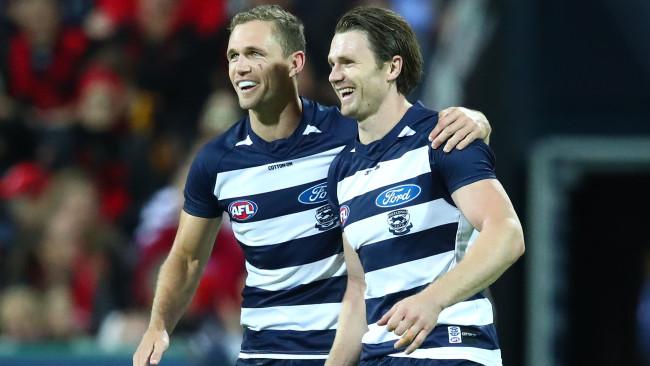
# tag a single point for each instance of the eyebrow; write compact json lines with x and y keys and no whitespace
{"x":245,"y":50}
{"x":342,"y":59}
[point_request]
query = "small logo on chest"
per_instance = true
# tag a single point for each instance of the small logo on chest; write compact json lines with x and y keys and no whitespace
{"x":399,"y":222}
{"x":325,"y":218}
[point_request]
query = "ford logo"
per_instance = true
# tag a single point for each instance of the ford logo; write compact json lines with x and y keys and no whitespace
{"x":314,"y":195}
{"x":398,"y":195}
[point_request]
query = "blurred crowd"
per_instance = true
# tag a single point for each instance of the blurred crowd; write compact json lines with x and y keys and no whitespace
{"x":102,"y":104}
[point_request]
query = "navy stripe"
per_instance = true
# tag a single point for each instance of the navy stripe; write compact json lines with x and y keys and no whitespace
{"x":280,"y":202}
{"x":288,"y":341}
{"x":398,"y":250}
{"x":377,"y":307}
{"x":295,"y":252}
{"x":365,"y":204}
{"x":484,"y":337}
{"x":329,"y":290}
{"x":403,"y":361}
{"x":278,"y":362}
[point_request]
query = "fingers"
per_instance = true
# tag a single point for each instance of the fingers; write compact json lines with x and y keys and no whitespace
{"x":158,"y":350}
{"x":408,"y":337}
{"x":467,"y":140}
{"x":404,"y":325}
{"x":388,"y":315}
{"x":150,"y":351}
{"x":422,"y":335}
{"x":395,"y":318}
{"x":442,"y":123}
{"x":142,"y":354}
{"x":458,"y":136}
{"x":447,"y":126}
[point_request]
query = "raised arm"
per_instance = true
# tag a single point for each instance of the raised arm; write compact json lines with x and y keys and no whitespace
{"x":352,"y":319}
{"x":457,"y":127}
{"x":177,"y":281}
{"x":500,"y":243}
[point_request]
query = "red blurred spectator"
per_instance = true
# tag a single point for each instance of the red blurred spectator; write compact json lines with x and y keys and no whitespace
{"x":44,"y":58}
{"x":205,"y":16}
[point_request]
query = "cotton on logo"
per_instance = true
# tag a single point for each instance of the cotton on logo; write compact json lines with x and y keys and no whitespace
{"x":242,"y":210}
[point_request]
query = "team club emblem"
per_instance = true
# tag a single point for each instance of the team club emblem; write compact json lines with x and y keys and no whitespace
{"x":314,"y":195}
{"x":242,"y":210}
{"x":325,"y":218}
{"x":399,"y":195}
{"x":399,"y":222}
{"x":344,"y":213}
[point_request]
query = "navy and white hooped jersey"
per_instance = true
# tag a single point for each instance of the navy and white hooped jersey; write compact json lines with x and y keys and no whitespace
{"x":275,"y":195}
{"x":396,"y":210}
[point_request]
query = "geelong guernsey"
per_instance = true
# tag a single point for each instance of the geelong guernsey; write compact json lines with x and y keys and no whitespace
{"x":275,"y":195}
{"x":394,"y":199}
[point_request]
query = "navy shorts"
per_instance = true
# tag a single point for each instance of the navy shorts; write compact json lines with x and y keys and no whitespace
{"x":402,"y":361}
{"x":273,"y":362}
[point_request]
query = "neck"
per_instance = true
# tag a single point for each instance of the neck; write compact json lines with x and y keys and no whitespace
{"x":389,"y":113}
{"x":277,"y":121}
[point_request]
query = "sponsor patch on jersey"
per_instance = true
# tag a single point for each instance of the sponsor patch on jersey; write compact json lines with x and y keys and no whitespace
{"x":314,"y":195}
{"x":242,"y":210}
{"x":399,"y":195}
{"x":455,"y":335}
{"x":325,"y":218}
{"x":344,"y":213}
{"x":399,"y":222}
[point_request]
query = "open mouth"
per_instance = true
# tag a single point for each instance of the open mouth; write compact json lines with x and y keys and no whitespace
{"x":246,"y":85}
{"x":346,"y":92}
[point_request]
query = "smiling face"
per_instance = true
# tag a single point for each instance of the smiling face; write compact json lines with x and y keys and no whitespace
{"x":360,"y":84}
{"x":258,"y":69}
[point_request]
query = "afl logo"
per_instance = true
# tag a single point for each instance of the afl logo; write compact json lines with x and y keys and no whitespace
{"x":398,"y":195}
{"x":344,"y":213}
{"x":242,"y":210}
{"x":314,"y":195}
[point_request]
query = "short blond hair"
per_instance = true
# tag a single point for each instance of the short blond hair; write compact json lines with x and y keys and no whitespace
{"x":289,"y":30}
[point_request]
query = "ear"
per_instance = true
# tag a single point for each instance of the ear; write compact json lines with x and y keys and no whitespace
{"x":394,"y":68}
{"x":297,"y":63}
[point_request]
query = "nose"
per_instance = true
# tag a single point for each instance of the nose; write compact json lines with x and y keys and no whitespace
{"x":335,"y":74}
{"x":242,"y":66}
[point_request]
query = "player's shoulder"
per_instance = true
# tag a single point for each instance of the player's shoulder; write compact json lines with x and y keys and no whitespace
{"x":421,"y":118}
{"x":328,"y":118}
{"x":223,"y":144}
{"x":343,"y":161}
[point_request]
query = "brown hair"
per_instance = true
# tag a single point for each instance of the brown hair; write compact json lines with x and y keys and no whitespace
{"x":389,"y":35}
{"x":289,"y":30}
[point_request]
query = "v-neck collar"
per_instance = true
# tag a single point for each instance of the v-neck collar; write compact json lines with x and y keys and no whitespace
{"x":283,"y":146}
{"x":415,"y":113}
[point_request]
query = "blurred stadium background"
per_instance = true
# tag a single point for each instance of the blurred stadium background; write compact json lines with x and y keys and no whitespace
{"x":103,"y":101}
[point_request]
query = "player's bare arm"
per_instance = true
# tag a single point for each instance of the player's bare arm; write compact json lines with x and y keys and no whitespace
{"x":500,"y":243}
{"x":352,"y":319}
{"x":177,"y":281}
{"x":457,"y":127}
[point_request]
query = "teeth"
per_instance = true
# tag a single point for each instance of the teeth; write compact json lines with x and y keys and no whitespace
{"x":345,"y":91}
{"x":246,"y":84}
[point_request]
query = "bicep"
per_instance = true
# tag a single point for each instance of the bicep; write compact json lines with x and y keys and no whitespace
{"x":195,"y":236}
{"x":483,"y":201}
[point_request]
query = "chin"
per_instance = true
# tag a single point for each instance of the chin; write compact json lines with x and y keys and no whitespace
{"x":350,"y":113}
{"x":246,"y":104}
